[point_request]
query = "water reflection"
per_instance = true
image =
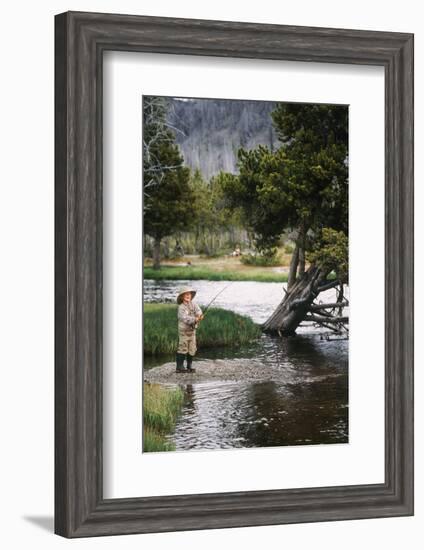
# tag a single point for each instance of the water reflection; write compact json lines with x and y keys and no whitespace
{"x":235,"y":415}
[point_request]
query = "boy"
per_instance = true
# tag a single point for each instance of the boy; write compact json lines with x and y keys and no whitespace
{"x":189,"y":315}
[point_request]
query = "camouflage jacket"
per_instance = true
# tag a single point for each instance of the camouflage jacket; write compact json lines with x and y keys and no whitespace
{"x":187,"y":314}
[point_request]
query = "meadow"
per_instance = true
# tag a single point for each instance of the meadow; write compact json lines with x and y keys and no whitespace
{"x":196,"y":273}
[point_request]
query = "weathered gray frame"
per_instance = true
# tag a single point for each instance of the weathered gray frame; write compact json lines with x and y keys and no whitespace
{"x":81,"y":39}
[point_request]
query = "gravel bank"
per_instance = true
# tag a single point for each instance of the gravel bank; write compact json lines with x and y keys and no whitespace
{"x":234,"y":370}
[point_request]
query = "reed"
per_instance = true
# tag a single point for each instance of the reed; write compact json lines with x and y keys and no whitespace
{"x":154,"y":442}
{"x":161,"y":407}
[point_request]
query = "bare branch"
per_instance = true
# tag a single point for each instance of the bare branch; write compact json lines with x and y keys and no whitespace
{"x":327,"y":286}
{"x":318,"y":307}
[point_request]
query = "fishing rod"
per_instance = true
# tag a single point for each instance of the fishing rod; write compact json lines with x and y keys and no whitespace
{"x":215,"y":297}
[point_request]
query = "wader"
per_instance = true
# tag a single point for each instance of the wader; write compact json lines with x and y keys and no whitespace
{"x":187,"y":346}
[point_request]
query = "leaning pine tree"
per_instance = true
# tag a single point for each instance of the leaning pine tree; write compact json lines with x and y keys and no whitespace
{"x":302,"y":187}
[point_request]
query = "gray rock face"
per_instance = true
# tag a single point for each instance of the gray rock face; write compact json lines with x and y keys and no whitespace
{"x":210,"y":131}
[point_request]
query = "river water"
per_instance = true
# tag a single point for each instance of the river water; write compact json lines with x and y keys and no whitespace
{"x":307,"y":404}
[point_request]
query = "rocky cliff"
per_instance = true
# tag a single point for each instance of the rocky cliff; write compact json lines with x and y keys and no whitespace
{"x":210,"y":131}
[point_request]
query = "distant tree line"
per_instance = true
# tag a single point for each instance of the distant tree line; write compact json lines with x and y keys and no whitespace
{"x":178,"y":200}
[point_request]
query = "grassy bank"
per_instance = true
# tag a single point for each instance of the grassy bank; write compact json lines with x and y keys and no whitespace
{"x":250,"y":273}
{"x":219,"y":328}
{"x":161,"y":407}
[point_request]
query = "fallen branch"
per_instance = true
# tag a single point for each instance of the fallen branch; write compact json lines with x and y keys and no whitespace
{"x":322,"y":319}
{"x":317,"y":307}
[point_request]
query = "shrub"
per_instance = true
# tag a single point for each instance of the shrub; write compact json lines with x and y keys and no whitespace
{"x":261,"y":260}
{"x":289,"y":248}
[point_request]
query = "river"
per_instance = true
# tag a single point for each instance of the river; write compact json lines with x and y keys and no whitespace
{"x":307,"y":404}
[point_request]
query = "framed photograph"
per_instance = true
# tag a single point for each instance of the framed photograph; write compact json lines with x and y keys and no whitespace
{"x":233,"y":274}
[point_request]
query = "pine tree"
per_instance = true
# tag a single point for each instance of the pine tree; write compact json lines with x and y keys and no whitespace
{"x":168,"y":196}
{"x":300,"y":187}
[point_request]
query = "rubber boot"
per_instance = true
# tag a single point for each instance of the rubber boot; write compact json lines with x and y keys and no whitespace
{"x":189,"y":363}
{"x":180,"y":363}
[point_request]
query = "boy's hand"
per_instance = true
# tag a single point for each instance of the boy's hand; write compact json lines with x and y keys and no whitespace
{"x":199,"y":318}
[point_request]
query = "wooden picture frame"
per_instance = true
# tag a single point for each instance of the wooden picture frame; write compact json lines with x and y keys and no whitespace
{"x":80,"y":40}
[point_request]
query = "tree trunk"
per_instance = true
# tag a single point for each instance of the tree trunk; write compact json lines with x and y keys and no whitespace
{"x":301,"y":261}
{"x":293,"y":268}
{"x":196,"y":240}
{"x":301,"y":242}
{"x":166,"y":248}
{"x":296,"y":303}
{"x":156,"y":253}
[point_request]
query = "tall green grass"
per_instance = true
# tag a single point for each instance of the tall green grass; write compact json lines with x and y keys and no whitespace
{"x":219,"y":328}
{"x":195,"y":273}
{"x":161,"y":407}
{"x":154,"y":442}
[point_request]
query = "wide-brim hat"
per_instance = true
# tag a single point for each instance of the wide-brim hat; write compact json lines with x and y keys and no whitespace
{"x":183,"y":291}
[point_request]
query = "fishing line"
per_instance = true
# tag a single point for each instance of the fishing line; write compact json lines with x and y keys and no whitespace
{"x":215,"y":297}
